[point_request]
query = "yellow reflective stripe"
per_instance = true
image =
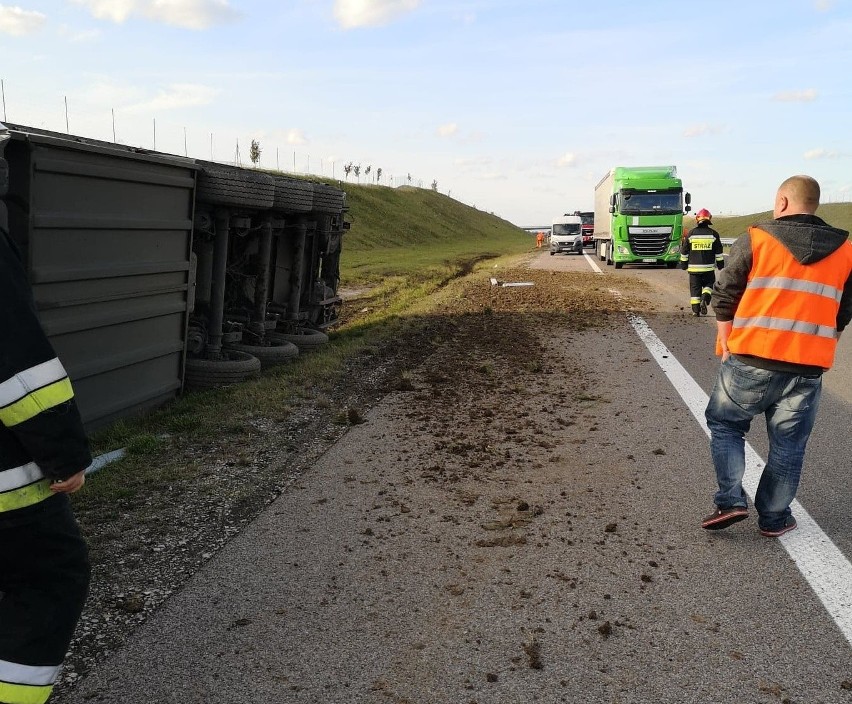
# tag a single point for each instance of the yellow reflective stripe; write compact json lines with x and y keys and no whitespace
{"x":25,"y":496}
{"x":24,"y":693}
{"x":37,"y":401}
{"x":26,"y":684}
{"x":30,"y":379}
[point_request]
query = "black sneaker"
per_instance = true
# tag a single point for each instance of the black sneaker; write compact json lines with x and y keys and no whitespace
{"x":703,"y":307}
{"x":724,"y":517}
{"x":789,"y":524}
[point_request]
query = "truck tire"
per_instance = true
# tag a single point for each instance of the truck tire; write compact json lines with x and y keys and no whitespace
{"x":619,"y":265}
{"x":292,"y":195}
{"x":276,"y":352}
{"x":219,"y":184}
{"x":234,"y":367}
{"x":306,"y":339}
{"x":328,"y":199}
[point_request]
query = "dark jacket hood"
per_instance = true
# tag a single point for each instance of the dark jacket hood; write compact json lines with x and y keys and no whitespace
{"x":809,"y":238}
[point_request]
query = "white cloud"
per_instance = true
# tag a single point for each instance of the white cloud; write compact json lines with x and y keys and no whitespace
{"x":79,"y":35}
{"x":371,"y":13}
{"x":823,"y":5}
{"x":19,"y":22}
{"x":177,"y":95}
{"x":567,"y":159}
{"x":448,"y":130}
{"x":296,"y":137}
{"x":821,"y":154}
{"x":702,"y":130}
{"x":190,"y":14}
{"x":796,"y":96}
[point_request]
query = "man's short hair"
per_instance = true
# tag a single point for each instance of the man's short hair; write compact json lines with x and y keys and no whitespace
{"x":801,"y":189}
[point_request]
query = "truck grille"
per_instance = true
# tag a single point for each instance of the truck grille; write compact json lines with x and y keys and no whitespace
{"x":649,"y":241}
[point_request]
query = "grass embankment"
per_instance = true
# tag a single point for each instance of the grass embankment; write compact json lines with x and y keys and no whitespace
{"x":835,"y":214}
{"x":403,"y":245}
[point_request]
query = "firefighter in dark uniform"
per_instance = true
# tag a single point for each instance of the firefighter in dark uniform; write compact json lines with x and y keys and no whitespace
{"x":44,"y":566}
{"x":701,"y":254}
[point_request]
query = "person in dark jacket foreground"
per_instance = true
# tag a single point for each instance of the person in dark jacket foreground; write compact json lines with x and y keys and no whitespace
{"x":44,"y":566}
{"x":781,"y":302}
{"x":701,"y":254}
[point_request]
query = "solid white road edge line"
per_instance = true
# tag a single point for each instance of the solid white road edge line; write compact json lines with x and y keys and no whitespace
{"x":819,"y":560}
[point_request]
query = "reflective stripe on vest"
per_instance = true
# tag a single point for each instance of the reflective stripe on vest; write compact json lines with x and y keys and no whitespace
{"x":788,"y":311}
{"x":26,"y":684}
{"x":33,"y":390}
{"x":21,"y":487}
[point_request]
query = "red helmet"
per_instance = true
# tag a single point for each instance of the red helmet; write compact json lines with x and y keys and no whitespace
{"x":703,"y":214}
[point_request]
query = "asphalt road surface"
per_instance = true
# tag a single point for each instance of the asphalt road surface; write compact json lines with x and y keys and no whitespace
{"x":522,"y":534}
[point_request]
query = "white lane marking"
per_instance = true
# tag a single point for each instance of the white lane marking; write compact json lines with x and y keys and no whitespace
{"x":592,"y":263}
{"x":819,"y":560}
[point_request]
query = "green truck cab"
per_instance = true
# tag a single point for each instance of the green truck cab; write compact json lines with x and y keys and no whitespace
{"x":639,"y":215}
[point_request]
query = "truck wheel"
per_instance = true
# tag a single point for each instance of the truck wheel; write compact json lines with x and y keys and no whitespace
{"x":619,"y":265}
{"x":552,"y":253}
{"x":671,"y":265}
{"x":328,"y":199}
{"x":276,"y":352}
{"x":219,"y":184}
{"x":292,"y":195}
{"x":234,"y":367}
{"x":306,"y":339}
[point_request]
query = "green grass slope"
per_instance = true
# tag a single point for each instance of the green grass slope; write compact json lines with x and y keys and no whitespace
{"x":414,"y":230}
{"x":835,"y":214}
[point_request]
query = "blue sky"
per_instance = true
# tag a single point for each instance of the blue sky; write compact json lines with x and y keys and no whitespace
{"x":516,"y":107}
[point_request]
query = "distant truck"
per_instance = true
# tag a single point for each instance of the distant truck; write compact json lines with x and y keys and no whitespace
{"x":639,"y":215}
{"x":587,"y":226}
{"x":566,"y":235}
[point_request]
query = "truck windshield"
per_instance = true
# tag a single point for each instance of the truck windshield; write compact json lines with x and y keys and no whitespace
{"x":571,"y":229}
{"x":661,"y":202}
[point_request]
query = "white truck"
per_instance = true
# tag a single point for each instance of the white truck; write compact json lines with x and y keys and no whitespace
{"x":566,"y":235}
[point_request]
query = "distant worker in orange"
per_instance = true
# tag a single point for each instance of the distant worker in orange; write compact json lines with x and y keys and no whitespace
{"x":539,"y":240}
{"x":700,"y":255}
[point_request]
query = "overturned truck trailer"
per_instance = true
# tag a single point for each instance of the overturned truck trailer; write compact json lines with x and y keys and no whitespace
{"x":153,"y":272}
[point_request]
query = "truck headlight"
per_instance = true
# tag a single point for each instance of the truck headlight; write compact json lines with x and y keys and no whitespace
{"x":622,"y":250}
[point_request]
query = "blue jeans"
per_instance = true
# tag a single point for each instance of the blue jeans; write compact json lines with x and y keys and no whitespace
{"x":789,"y":403}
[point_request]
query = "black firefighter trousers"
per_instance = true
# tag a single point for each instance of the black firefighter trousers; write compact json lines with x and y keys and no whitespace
{"x":700,"y":285}
{"x":44,"y":580}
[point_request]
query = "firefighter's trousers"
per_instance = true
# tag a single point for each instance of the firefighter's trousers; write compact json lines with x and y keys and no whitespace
{"x":701,"y":286}
{"x":44,"y":579}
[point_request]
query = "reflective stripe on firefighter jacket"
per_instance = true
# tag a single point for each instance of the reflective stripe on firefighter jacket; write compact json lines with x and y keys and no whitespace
{"x":41,"y":435}
{"x":788,"y":311}
{"x":701,"y":250}
{"x":26,"y":684}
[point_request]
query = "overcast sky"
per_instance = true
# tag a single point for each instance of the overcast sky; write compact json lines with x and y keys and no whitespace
{"x":515,"y":106}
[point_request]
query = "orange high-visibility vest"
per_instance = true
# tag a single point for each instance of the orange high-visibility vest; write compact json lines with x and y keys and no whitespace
{"x":788,"y":311}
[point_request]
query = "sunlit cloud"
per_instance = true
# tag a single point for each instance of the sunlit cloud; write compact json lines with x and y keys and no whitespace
{"x":567,"y":159}
{"x":19,"y":22}
{"x":296,"y":137}
{"x":796,"y":96}
{"x":351,"y":14}
{"x":177,"y":95}
{"x":80,"y":36}
{"x":448,"y":130}
{"x":189,"y":14}
{"x":702,"y":130}
{"x":821,"y":154}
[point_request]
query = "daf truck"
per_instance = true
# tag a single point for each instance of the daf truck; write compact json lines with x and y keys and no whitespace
{"x":639,"y":216}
